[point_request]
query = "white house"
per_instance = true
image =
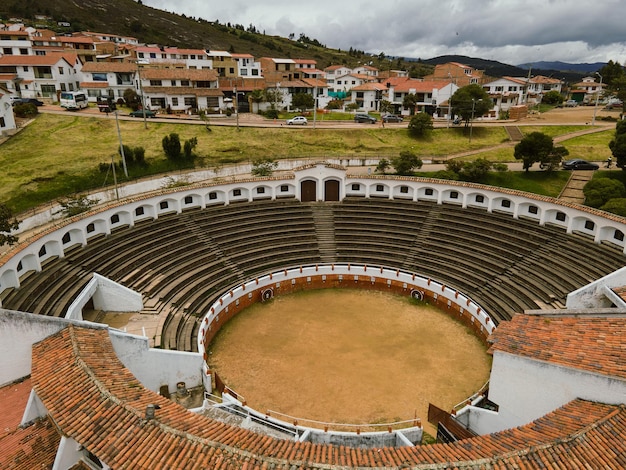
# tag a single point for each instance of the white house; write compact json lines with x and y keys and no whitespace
{"x":7,"y":118}
{"x":43,"y":76}
{"x":506,"y":92}
{"x":109,"y":79}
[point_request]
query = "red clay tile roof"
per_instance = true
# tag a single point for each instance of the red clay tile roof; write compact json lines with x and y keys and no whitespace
{"x":31,"y":447}
{"x":95,"y":400}
{"x":592,"y":343}
{"x":128,"y":67}
{"x":13,"y":399}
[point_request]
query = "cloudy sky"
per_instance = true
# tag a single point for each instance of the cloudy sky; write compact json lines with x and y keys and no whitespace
{"x":511,"y":31}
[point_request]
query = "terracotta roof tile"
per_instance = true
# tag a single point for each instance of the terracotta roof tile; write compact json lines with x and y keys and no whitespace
{"x":592,"y":343}
{"x":13,"y":400}
{"x":99,"y":403}
{"x":31,"y":447}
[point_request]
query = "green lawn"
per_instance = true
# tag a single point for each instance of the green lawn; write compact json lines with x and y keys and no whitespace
{"x":57,"y":156}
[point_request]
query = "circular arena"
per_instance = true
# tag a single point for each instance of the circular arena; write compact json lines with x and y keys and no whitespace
{"x":483,"y":254}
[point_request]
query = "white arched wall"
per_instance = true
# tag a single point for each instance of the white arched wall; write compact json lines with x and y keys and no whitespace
{"x":100,"y":222}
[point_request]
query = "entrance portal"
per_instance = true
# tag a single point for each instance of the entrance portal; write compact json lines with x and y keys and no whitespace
{"x":331,"y":190}
{"x":308,"y":191}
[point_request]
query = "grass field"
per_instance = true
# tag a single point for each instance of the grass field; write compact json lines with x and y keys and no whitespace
{"x":58,"y":156}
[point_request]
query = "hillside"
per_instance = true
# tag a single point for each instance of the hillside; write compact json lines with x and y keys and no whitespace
{"x":153,"y":26}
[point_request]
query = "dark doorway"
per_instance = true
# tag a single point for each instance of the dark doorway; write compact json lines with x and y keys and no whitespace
{"x":308,"y":190}
{"x":331,"y":190}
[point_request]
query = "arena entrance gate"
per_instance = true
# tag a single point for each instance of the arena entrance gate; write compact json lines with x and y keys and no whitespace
{"x":308,"y":191}
{"x":331,"y":190}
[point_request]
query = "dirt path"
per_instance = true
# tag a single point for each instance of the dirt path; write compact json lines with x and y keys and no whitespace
{"x":349,"y":356}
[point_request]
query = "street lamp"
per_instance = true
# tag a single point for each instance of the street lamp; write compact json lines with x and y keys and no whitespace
{"x":449,"y":102}
{"x":595,"y":108}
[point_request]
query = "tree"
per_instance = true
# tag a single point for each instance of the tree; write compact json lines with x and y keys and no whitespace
{"x":132,"y":99}
{"x":470,"y":101}
{"x":474,"y":171}
{"x":618,"y":145}
{"x":535,"y":147}
{"x":7,"y":224}
{"x":264,"y":167}
{"x":383,"y":166}
{"x":420,"y":125}
{"x":303,"y":101}
{"x":406,"y":162}
{"x":171,"y":147}
{"x":188,"y":147}
{"x":410,"y":102}
{"x":386,"y":106}
{"x":611,"y":72}
{"x":599,"y":191}
{"x":554,"y":158}
{"x":552,"y":97}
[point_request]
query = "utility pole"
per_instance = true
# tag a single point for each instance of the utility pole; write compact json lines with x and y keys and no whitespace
{"x":119,"y":136}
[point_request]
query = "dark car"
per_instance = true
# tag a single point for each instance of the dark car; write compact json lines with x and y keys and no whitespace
{"x":34,"y":101}
{"x":139,"y":113}
{"x":578,"y":164}
{"x":364,"y":118}
{"x":392,"y":118}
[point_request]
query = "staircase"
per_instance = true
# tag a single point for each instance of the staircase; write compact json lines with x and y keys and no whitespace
{"x":422,"y":235}
{"x":514,"y":132}
{"x":325,"y":231}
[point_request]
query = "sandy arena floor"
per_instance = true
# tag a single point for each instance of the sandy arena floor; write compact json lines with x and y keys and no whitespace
{"x":349,"y":356}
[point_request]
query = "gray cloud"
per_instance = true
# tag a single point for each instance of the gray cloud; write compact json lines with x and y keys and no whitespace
{"x":511,"y":31}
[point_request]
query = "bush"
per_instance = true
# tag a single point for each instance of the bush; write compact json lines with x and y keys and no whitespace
{"x":420,"y":125}
{"x":25,"y":110}
{"x":171,"y":146}
{"x":271,"y":114}
{"x":599,"y":191}
{"x":406,"y":162}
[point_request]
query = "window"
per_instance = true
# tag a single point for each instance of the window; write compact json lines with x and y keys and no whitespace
{"x":232,"y":70}
{"x":184,"y":83}
{"x":91,"y":228}
{"x":380,"y":188}
{"x":66,"y":238}
{"x":190,"y":101}
{"x":589,"y":225}
{"x":260,"y":190}
{"x":24,"y":51}
{"x":115,"y":218}
{"x":174,"y":101}
{"x":480,"y":198}
{"x":505,"y":203}
{"x":404,"y":189}
{"x":356,"y":186}
{"x":236,"y":192}
{"x":619,"y":235}
{"x":163,"y":205}
{"x":188,"y":199}
{"x":560,"y":216}
{"x":61,"y":72}
{"x":454,"y":195}
{"x":48,"y":90}
{"x":42,"y":251}
{"x":213,"y":195}
{"x":255,"y":72}
{"x":244,"y":72}
{"x":7,"y":51}
{"x":533,"y":209}
{"x":139,"y":211}
{"x":429,"y":192}
{"x":2,"y":122}
{"x":284,"y":188}
{"x":63,"y":87}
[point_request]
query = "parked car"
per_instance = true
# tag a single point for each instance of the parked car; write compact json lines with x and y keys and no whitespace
{"x":578,"y":164}
{"x":139,"y":113}
{"x":297,"y":121}
{"x":365,"y":118}
{"x":571,"y":103}
{"x":34,"y":101}
{"x":392,"y":118}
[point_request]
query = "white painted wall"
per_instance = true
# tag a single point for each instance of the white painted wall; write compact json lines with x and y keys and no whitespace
{"x":156,"y":367}
{"x":526,"y":389}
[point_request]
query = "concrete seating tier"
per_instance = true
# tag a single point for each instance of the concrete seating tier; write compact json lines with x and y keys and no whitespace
{"x":182,"y":262}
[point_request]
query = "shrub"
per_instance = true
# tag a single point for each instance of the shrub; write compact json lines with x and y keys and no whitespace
{"x":420,"y":125}
{"x":171,"y":146}
{"x":24,"y":110}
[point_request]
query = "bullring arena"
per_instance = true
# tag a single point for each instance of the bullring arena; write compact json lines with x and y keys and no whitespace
{"x":540,"y":281}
